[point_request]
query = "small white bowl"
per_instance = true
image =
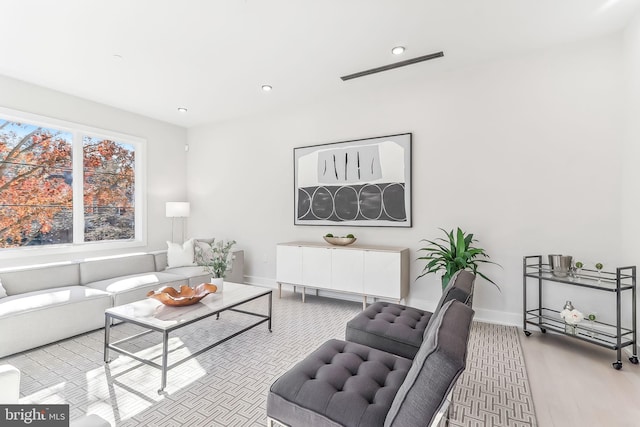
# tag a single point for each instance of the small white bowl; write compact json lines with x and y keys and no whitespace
{"x":339,"y":241}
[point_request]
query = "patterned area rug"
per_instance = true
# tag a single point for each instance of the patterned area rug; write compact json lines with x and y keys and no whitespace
{"x":227,"y":385}
{"x":494,"y":389}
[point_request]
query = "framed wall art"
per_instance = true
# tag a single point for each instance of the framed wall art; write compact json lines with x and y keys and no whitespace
{"x":364,"y":182}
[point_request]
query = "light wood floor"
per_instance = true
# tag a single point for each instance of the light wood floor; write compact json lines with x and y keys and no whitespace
{"x":574,"y":384}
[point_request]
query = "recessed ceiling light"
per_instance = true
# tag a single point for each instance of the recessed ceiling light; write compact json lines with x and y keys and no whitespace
{"x":398,"y":50}
{"x":266,"y":88}
{"x":182,"y":109}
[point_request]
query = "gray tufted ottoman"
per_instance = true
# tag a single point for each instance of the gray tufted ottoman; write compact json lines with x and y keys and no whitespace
{"x":389,"y":327}
{"x":342,"y":381}
{"x":352,"y":385}
{"x":398,"y":329}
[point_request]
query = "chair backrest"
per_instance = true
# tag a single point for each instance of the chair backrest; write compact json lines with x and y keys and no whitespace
{"x":435,"y":369}
{"x":460,"y":288}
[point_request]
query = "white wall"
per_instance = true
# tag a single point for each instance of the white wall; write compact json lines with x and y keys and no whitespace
{"x":630,"y":225}
{"x":524,"y":152}
{"x":166,"y":158}
{"x":631,"y":183}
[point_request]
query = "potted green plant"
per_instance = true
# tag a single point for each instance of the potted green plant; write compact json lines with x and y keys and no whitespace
{"x":454,"y":253}
{"x":217,"y":259}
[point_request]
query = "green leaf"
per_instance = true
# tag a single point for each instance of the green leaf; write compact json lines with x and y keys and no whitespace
{"x":461,"y":244}
{"x":468,"y":240}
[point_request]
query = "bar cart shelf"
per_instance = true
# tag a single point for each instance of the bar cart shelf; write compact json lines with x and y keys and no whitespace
{"x":622,"y":283}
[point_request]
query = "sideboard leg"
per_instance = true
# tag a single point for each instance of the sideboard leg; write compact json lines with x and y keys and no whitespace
{"x":304,"y":292}
{"x":279,"y":290}
{"x":364,"y":302}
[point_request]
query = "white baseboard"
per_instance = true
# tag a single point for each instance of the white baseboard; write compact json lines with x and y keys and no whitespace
{"x":482,"y":315}
{"x":260,"y":281}
{"x":498,"y":317}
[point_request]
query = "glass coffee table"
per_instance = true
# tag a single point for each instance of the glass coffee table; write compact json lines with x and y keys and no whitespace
{"x":154,"y":316}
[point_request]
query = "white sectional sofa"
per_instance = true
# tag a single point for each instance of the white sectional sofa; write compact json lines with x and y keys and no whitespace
{"x":49,"y":303}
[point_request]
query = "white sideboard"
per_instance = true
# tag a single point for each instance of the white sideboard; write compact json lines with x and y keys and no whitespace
{"x":375,"y":271}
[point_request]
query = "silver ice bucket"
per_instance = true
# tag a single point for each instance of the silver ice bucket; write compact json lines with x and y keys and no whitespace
{"x":560,"y":265}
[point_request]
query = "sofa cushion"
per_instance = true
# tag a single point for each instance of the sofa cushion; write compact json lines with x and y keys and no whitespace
{"x":340,"y":383}
{"x":195,"y":275}
{"x":101,"y":269}
{"x":134,"y":287}
{"x":160,"y":259}
{"x":435,"y":369}
{"x":38,"y":300}
{"x":42,"y":317}
{"x":389,"y":327}
{"x":30,"y":279}
{"x":126,"y":283}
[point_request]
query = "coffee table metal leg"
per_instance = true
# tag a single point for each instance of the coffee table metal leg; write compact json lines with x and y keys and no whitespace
{"x":107,"y":327}
{"x":165,"y":356}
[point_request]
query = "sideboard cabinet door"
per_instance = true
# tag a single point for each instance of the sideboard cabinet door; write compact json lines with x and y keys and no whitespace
{"x":289,"y":264}
{"x":382,"y":276}
{"x":316,"y":267}
{"x":347,"y":270}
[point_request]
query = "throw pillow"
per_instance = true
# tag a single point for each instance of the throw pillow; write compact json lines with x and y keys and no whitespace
{"x":180,"y":255}
{"x":3,"y":292}
{"x":203,"y":251}
{"x":205,"y":240}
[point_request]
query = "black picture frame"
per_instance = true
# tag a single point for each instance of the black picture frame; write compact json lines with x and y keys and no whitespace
{"x":362,"y":182}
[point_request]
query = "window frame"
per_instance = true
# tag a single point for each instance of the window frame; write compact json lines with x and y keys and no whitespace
{"x":77,"y":131}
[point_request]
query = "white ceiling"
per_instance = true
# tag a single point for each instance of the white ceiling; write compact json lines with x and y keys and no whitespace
{"x":212,"y":56}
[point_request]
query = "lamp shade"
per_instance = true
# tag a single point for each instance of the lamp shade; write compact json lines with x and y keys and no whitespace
{"x":177,"y":209}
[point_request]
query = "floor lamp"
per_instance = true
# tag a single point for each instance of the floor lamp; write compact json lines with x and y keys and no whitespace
{"x":175,"y":210}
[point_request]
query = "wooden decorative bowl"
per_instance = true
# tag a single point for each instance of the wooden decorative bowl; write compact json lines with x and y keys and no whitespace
{"x":185,"y":296}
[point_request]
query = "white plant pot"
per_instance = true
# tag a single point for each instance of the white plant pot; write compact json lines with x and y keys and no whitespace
{"x":219,"y":282}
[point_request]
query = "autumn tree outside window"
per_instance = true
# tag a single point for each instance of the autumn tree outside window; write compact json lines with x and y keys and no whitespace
{"x":109,"y":189}
{"x":63,"y":185}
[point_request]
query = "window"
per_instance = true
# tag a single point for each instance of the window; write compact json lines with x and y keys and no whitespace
{"x":67,"y":184}
{"x":109,"y":189}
